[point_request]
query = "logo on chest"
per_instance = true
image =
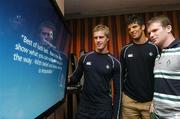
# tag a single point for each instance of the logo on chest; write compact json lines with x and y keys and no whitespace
{"x":88,"y":63}
{"x":150,"y":54}
{"x":107,"y":66}
{"x":130,"y":55}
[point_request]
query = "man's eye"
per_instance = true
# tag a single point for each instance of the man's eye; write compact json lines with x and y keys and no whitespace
{"x":45,"y":33}
{"x":99,"y":37}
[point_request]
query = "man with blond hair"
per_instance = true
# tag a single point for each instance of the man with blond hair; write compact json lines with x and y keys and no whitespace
{"x":99,"y":68}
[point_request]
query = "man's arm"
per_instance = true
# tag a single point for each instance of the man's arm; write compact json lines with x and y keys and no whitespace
{"x":117,"y":90}
{"x":78,"y":72}
{"x":123,"y":64}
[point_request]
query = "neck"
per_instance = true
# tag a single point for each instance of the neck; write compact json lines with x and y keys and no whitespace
{"x":168,"y":41}
{"x":102,"y":51}
{"x":141,"y":40}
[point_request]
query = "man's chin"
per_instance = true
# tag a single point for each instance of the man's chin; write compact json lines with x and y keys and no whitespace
{"x":99,"y":49}
{"x":136,"y":39}
{"x":156,"y":43}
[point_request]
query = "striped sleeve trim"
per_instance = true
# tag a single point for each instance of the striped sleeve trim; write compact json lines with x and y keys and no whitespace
{"x":87,"y":55}
{"x":158,"y":53}
{"x":126,"y":48}
{"x":112,"y":58}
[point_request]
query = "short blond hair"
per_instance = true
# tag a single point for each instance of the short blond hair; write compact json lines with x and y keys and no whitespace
{"x":163,"y":19}
{"x":102,"y":27}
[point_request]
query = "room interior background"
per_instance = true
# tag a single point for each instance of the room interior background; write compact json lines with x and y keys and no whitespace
{"x":81,"y":40}
{"x":81,"y":30}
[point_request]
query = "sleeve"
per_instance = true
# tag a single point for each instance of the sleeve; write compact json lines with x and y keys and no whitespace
{"x":117,"y":90}
{"x":123,"y":64}
{"x":78,"y":72}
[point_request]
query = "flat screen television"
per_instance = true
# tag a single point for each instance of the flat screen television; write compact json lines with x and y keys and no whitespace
{"x":34,"y":43}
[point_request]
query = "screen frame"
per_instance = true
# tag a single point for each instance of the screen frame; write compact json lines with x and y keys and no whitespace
{"x":59,"y":103}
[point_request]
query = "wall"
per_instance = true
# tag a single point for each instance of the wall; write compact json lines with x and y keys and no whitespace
{"x":82,"y":40}
{"x":82,"y":35}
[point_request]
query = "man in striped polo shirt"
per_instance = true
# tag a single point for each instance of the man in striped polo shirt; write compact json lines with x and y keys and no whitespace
{"x":166,"y":99}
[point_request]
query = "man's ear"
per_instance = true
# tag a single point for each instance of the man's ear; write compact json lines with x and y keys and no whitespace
{"x":107,"y":39}
{"x":168,"y":28}
{"x":143,"y":27}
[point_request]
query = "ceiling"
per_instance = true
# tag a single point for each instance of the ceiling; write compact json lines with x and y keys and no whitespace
{"x":89,"y":8}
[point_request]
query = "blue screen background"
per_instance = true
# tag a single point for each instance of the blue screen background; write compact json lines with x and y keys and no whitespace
{"x":25,"y":90}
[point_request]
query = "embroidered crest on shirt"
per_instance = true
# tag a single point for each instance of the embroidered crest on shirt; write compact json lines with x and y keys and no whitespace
{"x":107,"y":66}
{"x":150,"y":54}
{"x":88,"y":63}
{"x":168,"y":62}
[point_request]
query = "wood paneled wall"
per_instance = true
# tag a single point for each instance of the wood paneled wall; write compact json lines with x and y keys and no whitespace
{"x":81,"y":30}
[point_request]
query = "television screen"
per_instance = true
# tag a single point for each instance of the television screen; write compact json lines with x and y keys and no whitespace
{"x":33,"y":57}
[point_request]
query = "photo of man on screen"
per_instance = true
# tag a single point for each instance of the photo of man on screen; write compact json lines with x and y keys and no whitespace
{"x":47,"y":33}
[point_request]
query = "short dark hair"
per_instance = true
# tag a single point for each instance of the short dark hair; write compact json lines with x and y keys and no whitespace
{"x":135,"y":19}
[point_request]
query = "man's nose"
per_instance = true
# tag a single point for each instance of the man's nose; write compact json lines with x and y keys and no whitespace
{"x":131,"y":30}
{"x":151,"y":35}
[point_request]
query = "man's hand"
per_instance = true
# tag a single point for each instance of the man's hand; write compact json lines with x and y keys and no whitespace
{"x":151,"y":109}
